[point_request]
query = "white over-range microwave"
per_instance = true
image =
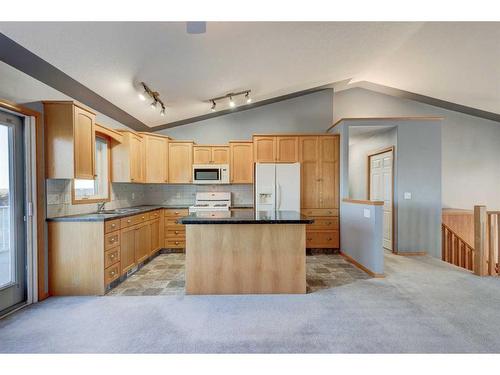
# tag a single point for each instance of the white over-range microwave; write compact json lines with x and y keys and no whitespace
{"x":210,"y":174}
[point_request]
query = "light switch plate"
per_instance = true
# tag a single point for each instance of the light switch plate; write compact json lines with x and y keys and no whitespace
{"x":407,"y":195}
{"x":366,"y":212}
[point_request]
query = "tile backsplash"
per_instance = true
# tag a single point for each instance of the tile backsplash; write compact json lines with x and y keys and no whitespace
{"x":127,"y":195}
{"x":184,"y":195}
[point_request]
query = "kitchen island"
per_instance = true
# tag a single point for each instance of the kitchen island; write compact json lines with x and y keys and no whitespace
{"x":253,"y":252}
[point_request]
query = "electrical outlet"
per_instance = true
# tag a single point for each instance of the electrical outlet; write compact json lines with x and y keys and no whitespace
{"x":366,"y":212}
{"x":407,"y":195}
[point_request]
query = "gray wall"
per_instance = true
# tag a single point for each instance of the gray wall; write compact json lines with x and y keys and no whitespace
{"x":310,"y":113}
{"x":470,"y":145}
{"x":361,"y":236}
{"x":359,"y":149}
{"x":418,"y":171}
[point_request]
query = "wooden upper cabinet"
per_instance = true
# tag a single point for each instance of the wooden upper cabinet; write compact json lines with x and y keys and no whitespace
{"x":319,"y":157}
{"x":264,"y":149}
{"x":202,"y":154}
{"x":309,"y":169}
{"x":180,"y":162}
{"x":69,"y":140}
{"x":155,"y":158}
{"x":84,"y":143}
{"x":241,"y":162}
{"x":287,"y":149}
{"x":220,"y":154}
{"x":210,"y":155}
{"x":128,"y":158}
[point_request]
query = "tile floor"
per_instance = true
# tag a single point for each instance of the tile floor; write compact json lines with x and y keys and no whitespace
{"x":164,"y":275}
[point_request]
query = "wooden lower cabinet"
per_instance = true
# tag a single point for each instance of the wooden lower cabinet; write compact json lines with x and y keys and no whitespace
{"x":85,"y":257}
{"x":175,"y":233}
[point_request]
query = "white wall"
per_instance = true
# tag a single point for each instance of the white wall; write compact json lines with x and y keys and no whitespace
{"x":310,"y":113}
{"x":470,"y":145}
{"x":359,"y":149}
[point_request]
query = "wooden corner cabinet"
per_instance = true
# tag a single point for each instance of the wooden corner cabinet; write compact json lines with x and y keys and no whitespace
{"x":127,"y":158}
{"x":86,"y":257}
{"x":69,"y":140}
{"x":241,"y":162}
{"x":210,"y":154}
{"x":180,"y":162}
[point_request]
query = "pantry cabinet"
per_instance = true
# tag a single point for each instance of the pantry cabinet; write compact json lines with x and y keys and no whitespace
{"x":127,"y":158}
{"x":180,"y":162}
{"x":241,"y":162}
{"x":69,"y":140}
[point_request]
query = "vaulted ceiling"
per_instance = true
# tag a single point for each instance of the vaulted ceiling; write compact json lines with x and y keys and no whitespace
{"x":456,"y":62}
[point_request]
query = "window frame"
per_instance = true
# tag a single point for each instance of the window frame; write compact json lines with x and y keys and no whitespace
{"x":74,"y":199}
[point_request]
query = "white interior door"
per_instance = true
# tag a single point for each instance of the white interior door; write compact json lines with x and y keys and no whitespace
{"x":381,"y":190}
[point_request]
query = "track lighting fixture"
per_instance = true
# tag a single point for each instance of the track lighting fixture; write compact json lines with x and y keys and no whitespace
{"x":153,"y":95}
{"x":232,"y":102}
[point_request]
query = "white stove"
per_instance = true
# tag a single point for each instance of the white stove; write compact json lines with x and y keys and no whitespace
{"x":210,"y":202}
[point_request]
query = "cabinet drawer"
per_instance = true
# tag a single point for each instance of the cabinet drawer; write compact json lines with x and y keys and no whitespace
{"x":170,"y":212}
{"x":111,"y":225}
{"x":175,"y":234}
{"x":154,"y":215}
{"x":172,"y":223}
{"x":329,"y":223}
{"x":111,"y":273}
{"x":175,"y":243}
{"x":111,"y":257}
{"x":320,"y":211}
{"x":328,"y":239}
{"x":133,"y":220}
{"x":111,"y":240}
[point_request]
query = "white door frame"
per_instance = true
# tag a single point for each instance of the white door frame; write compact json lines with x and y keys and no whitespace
{"x":391,"y":149}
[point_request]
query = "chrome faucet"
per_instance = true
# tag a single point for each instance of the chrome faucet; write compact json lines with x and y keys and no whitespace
{"x":100,"y":207}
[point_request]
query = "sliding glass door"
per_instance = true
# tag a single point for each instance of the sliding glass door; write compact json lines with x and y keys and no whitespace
{"x":13,"y":283}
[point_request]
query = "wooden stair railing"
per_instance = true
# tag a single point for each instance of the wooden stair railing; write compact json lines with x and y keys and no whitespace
{"x":455,"y":249}
{"x":486,"y":241}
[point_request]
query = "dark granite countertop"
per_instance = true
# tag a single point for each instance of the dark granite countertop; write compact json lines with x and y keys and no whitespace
{"x":246,"y":217}
{"x":111,"y":216}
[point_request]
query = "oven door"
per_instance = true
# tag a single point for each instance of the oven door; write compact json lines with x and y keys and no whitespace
{"x":206,"y":175}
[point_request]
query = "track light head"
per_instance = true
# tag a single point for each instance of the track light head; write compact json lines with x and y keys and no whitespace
{"x":154,"y":104}
{"x":232,"y":104}
{"x":142,"y":97}
{"x":248,"y":98}
{"x":162,"y":112}
{"x":213,"y":106}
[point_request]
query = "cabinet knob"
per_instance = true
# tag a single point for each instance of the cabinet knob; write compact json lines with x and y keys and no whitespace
{"x":176,"y":232}
{"x":112,"y":256}
{"x":128,"y":221}
{"x":176,"y":213}
{"x":113,"y":273}
{"x":330,"y":239}
{"x":176,"y":242}
{"x":142,"y":217}
{"x":112,"y":240}
{"x":113,"y":225}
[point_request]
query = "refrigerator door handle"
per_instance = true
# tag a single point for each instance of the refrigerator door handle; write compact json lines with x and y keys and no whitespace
{"x":279,"y":196}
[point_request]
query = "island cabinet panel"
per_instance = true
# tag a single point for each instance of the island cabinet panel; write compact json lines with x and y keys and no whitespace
{"x":319,"y":158}
{"x":241,"y":162}
{"x":69,"y":140}
{"x":156,"y":159}
{"x":264,"y":149}
{"x":287,"y":149}
{"x":271,"y":259}
{"x":180,"y":156}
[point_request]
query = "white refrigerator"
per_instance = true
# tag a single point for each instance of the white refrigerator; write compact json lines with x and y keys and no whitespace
{"x":277,"y":187}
